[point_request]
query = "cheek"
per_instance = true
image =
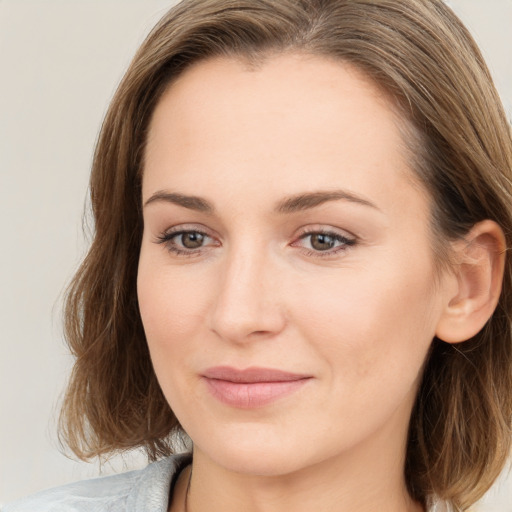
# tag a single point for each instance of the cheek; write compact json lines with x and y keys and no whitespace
{"x":172,"y":305}
{"x":371,"y":324}
{"x":170,"y":299}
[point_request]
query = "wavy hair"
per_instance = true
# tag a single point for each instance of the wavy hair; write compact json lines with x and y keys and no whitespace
{"x":421,"y":55}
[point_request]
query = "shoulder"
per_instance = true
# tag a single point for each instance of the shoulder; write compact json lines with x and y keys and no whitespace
{"x":145,"y":490}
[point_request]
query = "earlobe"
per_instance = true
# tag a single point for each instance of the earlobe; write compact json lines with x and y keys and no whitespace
{"x":478,"y":275}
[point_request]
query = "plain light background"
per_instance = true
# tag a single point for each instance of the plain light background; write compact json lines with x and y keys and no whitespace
{"x":60,"y":62}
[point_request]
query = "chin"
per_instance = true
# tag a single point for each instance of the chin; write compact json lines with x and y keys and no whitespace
{"x":258,"y":462}
{"x":256,"y":450}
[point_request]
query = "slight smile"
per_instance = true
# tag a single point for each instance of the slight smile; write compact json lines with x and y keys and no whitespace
{"x":252,"y":387}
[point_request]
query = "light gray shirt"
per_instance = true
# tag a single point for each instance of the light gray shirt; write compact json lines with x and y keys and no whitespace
{"x":145,"y":490}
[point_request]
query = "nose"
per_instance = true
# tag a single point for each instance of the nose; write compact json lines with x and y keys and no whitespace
{"x":247,"y":306}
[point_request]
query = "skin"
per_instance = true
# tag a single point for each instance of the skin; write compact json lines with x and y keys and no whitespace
{"x":358,"y":319}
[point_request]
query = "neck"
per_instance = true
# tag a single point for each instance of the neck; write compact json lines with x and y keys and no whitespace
{"x":347,"y":483}
{"x":365,"y":477}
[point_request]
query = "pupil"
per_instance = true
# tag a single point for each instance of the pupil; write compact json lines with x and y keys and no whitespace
{"x":322,"y":242}
{"x":192,"y":240}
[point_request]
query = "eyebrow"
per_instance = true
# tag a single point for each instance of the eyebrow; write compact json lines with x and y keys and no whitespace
{"x":295,"y":203}
{"x":309,"y":200}
{"x":191,"y":202}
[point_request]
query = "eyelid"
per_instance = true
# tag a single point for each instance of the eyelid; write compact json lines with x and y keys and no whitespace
{"x":348,"y":240}
{"x":187,"y":228}
{"x":166,"y":238}
{"x":326,"y":229}
{"x":323,"y":229}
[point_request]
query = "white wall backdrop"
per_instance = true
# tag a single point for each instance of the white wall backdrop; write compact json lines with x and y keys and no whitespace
{"x":60,"y":62}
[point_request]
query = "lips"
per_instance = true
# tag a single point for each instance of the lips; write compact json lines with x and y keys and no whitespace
{"x":252,"y":387}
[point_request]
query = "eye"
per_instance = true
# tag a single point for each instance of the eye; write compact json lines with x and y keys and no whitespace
{"x":185,"y":242}
{"x":324,"y":243}
{"x":190,"y":239}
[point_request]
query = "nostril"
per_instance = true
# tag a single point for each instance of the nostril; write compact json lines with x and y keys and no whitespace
{"x":247,"y":326}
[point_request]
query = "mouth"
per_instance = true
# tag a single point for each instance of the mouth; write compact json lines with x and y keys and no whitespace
{"x":252,"y":387}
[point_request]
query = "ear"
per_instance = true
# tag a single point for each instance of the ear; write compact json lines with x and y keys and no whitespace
{"x":477,"y":278}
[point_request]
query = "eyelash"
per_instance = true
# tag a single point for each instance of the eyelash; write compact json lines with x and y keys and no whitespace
{"x":337,"y":237}
{"x":167,"y":239}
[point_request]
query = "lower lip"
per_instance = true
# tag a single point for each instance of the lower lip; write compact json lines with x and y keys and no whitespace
{"x":245,"y":395}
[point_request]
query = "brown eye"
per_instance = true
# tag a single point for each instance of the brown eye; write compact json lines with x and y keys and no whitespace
{"x":322,"y":242}
{"x":191,"y":239}
{"x":186,"y":242}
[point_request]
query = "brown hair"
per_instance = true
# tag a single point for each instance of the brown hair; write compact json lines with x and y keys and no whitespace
{"x":420,"y":53}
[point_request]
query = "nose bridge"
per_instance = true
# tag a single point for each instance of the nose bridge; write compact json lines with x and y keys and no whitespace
{"x":247,"y":299}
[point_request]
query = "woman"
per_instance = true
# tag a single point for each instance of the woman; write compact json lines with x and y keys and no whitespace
{"x":302,"y":210}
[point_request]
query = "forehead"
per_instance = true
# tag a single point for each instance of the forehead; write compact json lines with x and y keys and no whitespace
{"x":288,"y":87}
{"x":294,"y":121}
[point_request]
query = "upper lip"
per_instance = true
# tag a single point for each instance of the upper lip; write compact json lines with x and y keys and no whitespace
{"x":251,"y":375}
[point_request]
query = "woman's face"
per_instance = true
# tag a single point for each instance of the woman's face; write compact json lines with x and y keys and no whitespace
{"x":286,"y":279}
